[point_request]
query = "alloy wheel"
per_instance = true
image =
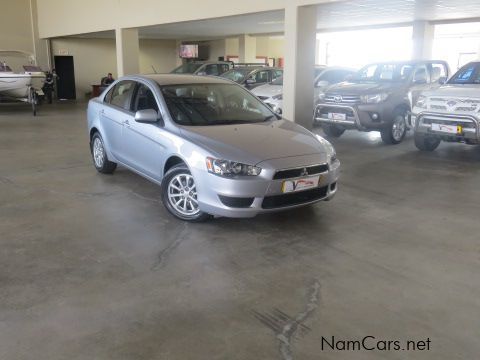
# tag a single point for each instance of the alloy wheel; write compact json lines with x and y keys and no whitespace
{"x":398,"y":128}
{"x":182,"y":194}
{"x":98,"y":152}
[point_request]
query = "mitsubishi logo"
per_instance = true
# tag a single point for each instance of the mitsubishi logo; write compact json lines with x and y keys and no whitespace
{"x":304,"y":172}
{"x":337,"y":98}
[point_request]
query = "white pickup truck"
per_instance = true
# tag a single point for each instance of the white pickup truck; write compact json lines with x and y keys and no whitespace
{"x":451,"y":112}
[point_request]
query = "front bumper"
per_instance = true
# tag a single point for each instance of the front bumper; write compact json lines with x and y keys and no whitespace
{"x":249,"y":196}
{"x":469,"y":126}
{"x":363,"y":117}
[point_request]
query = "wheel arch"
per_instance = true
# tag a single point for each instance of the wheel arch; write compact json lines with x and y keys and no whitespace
{"x":171,"y":161}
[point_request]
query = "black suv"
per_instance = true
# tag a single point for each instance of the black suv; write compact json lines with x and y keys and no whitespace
{"x":378,"y":98}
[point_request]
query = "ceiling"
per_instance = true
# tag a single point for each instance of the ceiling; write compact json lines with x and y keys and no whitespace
{"x":338,"y":15}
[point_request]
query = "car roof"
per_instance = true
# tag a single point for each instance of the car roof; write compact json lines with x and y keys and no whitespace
{"x":179,"y":79}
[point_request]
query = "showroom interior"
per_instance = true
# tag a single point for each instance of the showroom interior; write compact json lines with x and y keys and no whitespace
{"x":94,"y":266}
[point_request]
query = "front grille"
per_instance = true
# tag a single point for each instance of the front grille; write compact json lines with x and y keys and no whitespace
{"x":298,"y":198}
{"x":438,"y":107}
{"x":342,"y":99}
{"x":298,"y":172}
{"x":465,"y":108}
{"x":236,"y":202}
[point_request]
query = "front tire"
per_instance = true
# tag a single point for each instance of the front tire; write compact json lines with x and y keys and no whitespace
{"x":179,"y":195}
{"x":425,"y":142}
{"x":99,"y":156}
{"x":395,"y":132}
{"x":332,"y":130}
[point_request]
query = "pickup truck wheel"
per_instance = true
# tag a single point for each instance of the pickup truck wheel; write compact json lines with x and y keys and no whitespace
{"x":332,"y":130}
{"x":395,"y":132}
{"x":179,"y":195}
{"x":425,"y":142}
{"x":99,"y":155}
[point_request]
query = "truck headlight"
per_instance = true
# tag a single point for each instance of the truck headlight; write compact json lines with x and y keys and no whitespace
{"x":374,"y":98}
{"x":229,"y":168}
{"x":421,"y":102}
{"x":321,"y":96}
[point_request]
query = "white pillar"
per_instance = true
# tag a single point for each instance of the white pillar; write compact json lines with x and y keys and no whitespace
{"x":298,"y":77}
{"x":127,"y":51}
{"x":178,"y":59}
{"x":247,"y":49}
{"x":422,"y":38}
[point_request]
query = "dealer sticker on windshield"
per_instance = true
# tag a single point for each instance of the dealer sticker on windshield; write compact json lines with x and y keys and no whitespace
{"x":300,"y":184}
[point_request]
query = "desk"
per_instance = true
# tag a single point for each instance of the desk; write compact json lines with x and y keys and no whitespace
{"x":96,"y":90}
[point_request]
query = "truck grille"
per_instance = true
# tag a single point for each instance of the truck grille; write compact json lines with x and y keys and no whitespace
{"x":452,"y":104}
{"x":342,"y":99}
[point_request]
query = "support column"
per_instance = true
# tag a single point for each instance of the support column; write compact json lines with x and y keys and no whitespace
{"x":178,"y":59}
{"x":247,"y":49}
{"x":127,"y":51}
{"x":298,"y":76}
{"x":422,"y":38}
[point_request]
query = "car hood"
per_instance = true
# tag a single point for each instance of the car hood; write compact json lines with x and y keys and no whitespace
{"x":268,"y":90}
{"x":353,"y":88}
{"x":460,"y":91}
{"x":254,"y":143}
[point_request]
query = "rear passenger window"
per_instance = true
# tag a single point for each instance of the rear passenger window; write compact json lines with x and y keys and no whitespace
{"x":438,"y":71}
{"x":121,"y":95}
{"x":212,"y":70}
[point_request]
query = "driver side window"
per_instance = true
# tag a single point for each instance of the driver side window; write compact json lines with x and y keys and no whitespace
{"x":144,"y":99}
{"x":420,"y":75}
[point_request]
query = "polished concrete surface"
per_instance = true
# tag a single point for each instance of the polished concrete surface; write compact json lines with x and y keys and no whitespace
{"x":93,"y":267}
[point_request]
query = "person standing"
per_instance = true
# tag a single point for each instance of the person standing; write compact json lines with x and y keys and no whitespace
{"x":48,"y":86}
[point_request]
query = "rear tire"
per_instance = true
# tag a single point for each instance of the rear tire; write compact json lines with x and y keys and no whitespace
{"x":332,"y":130}
{"x":99,"y":156}
{"x":395,"y":132}
{"x":179,"y":195}
{"x":426,"y":143}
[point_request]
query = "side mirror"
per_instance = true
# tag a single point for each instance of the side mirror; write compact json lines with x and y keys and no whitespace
{"x":146,"y":116}
{"x":442,"y":80}
{"x":322,"y":83}
{"x":250,"y":81}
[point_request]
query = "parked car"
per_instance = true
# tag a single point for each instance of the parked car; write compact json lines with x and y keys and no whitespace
{"x":212,"y":68}
{"x":202,"y":139}
{"x":378,"y":98}
{"x":451,"y":112}
{"x":272,"y":93}
{"x":253,"y":76}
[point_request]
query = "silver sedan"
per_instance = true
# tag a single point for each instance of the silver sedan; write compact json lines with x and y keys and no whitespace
{"x":212,"y":146}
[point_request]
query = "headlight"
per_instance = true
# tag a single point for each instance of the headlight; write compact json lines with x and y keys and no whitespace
{"x":421,"y":102}
{"x":278,"y":97}
{"x":321,"y":96}
{"x":331,"y":153}
{"x":229,"y":168}
{"x":374,"y":98}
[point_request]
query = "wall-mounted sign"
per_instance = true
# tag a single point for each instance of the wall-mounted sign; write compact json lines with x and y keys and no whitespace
{"x":62,"y":52}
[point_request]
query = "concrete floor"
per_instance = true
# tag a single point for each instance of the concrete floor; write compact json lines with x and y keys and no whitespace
{"x":93,"y":267}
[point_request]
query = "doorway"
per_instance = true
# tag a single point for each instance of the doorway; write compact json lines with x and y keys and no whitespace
{"x":66,"y":78}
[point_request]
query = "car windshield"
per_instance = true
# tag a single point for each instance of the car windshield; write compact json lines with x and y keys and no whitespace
{"x":237,"y":75}
{"x":469,"y":74}
{"x":278,"y":81}
{"x":396,"y":72}
{"x":214,"y":104}
{"x":188,"y":68}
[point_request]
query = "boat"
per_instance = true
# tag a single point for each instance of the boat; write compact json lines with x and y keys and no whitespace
{"x":18,"y":85}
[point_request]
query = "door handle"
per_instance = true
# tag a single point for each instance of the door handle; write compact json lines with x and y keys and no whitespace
{"x":102,"y":112}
